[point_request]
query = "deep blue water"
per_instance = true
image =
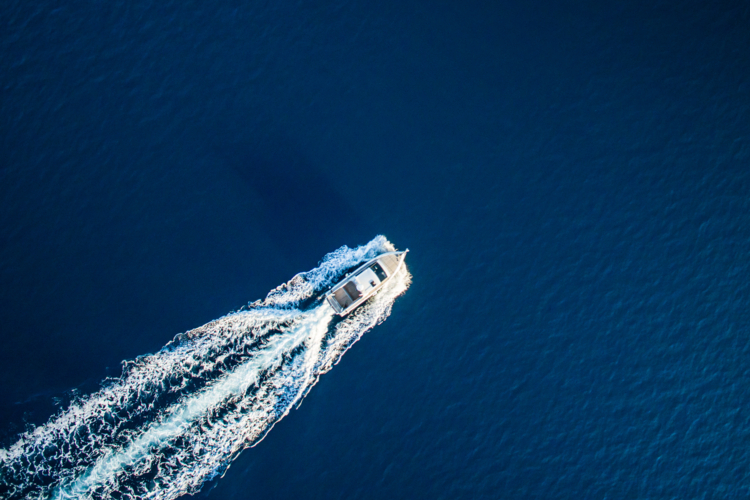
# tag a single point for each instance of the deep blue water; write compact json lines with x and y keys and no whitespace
{"x":571,"y":178}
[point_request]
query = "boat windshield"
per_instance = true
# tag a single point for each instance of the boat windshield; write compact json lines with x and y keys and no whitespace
{"x":379,"y":271}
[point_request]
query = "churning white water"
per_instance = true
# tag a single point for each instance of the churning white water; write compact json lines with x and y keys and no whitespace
{"x":177,"y":418}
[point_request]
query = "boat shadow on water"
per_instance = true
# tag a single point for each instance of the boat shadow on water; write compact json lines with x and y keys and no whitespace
{"x":295,"y":204}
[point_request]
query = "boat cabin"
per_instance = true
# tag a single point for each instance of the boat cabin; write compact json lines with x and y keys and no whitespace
{"x":360,"y":285}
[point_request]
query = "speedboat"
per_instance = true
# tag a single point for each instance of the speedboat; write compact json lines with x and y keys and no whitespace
{"x":364,"y":282}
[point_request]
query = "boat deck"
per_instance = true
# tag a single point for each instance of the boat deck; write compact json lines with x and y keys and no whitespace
{"x":390,"y":262}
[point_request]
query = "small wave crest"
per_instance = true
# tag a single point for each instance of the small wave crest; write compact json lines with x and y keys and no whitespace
{"x":177,"y":418}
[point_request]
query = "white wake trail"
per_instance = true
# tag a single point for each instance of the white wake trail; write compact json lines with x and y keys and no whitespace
{"x":234,"y":384}
{"x":177,"y":418}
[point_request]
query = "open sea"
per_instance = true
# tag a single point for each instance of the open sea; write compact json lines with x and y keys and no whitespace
{"x":572,"y":180}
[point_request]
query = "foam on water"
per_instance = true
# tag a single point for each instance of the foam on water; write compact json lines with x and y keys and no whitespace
{"x":177,"y":418}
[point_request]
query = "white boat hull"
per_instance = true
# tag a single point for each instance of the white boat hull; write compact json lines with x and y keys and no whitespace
{"x":364,"y":282}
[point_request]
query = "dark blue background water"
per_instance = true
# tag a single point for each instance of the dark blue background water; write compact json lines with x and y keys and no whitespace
{"x":571,"y":177}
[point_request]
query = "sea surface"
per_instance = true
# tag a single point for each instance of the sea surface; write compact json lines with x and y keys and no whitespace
{"x":572,"y":180}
